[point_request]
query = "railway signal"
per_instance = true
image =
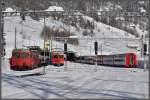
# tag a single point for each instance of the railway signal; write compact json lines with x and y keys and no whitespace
{"x":96,"y":47}
{"x":22,"y":15}
{"x":65,"y":47}
{"x":144,"y":53}
{"x":3,"y":34}
{"x":3,"y":53}
{"x":145,"y":49}
{"x":47,"y":44}
{"x":65,"y":51}
{"x":96,"y":51}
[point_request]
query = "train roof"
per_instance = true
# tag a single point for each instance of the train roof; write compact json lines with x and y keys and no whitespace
{"x":20,"y":49}
{"x":119,"y":54}
{"x":34,"y":47}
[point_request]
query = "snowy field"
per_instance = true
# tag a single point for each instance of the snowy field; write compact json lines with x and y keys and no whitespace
{"x":79,"y":81}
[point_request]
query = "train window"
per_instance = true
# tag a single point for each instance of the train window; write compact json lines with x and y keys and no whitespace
{"x":61,"y":56}
{"x":118,"y":60}
{"x":42,"y":53}
{"x":16,"y":55}
{"x":24,"y":55}
{"x":122,"y":56}
{"x":55,"y":56}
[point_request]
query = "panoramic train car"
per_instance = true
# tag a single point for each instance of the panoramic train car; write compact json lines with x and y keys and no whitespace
{"x":80,"y":59}
{"x":126,"y":60}
{"x":24,"y":59}
{"x":86,"y":59}
{"x":90,"y":60}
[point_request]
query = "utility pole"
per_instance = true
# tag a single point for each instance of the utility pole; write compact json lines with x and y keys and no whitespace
{"x":50,"y":47}
{"x":148,"y":66}
{"x":1,"y":37}
{"x":29,"y":38}
{"x":44,"y":48}
{"x":142,"y":45}
{"x":1,"y":48}
{"x":66,"y":52}
{"x":22,"y":33}
{"x":96,"y":53}
{"x":101,"y":49}
{"x":144,"y":53}
{"x":15,"y":36}
{"x":2,"y":40}
{"x":0,"y":34}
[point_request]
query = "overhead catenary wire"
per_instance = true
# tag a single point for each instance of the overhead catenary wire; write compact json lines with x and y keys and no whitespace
{"x":78,"y":13}
{"x":100,"y":38}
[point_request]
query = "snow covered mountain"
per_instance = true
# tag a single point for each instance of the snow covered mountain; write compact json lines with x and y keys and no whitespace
{"x":31,"y":30}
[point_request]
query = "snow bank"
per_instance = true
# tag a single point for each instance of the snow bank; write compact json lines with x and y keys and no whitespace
{"x":9,"y":10}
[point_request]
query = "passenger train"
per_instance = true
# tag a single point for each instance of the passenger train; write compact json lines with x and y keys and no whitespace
{"x":128,"y":60}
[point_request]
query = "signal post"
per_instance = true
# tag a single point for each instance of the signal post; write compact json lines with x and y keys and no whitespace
{"x":96,"y":52}
{"x":65,"y":51}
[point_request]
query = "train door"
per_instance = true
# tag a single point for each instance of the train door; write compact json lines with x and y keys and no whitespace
{"x":130,"y":60}
{"x":127,"y":60}
{"x":134,"y":60}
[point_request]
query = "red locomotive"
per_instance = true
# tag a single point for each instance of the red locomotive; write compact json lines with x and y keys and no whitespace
{"x":57,"y":57}
{"x":28,"y":59}
{"x":24,"y":59}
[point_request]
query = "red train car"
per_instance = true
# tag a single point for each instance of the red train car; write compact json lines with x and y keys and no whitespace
{"x":24,"y":59}
{"x":57,"y":58}
{"x":126,"y":60}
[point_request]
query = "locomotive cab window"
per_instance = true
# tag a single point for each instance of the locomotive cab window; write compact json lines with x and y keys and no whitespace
{"x":55,"y":56}
{"x":24,"y":55}
{"x":16,"y":55}
{"x":61,"y":56}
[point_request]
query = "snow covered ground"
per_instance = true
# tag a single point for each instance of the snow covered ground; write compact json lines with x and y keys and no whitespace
{"x":80,"y":80}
